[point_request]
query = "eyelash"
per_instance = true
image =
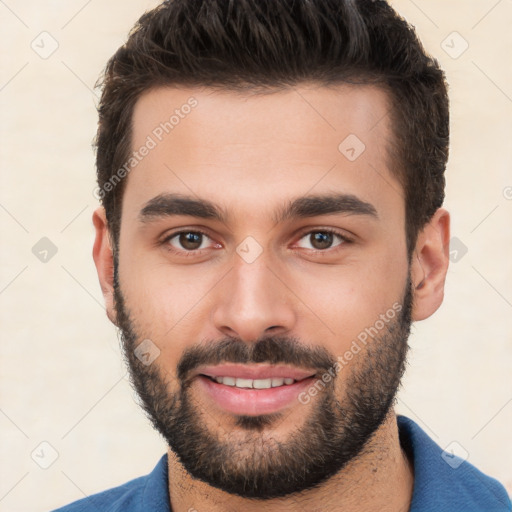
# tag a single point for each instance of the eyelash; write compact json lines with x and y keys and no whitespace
{"x":322,"y":252}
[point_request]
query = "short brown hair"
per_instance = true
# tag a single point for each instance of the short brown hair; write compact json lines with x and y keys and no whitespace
{"x":274,"y":44}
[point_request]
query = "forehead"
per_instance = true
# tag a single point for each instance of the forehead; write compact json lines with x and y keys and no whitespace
{"x":308,"y":113}
{"x":252,"y":149}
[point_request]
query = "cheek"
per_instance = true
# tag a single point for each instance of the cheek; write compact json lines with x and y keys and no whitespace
{"x":167,"y":303}
{"x":347,"y":299}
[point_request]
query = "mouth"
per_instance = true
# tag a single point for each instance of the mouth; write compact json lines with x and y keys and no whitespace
{"x":273,"y":382}
{"x":253,"y":390}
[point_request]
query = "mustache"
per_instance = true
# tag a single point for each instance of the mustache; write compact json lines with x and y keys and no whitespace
{"x":272,"y":350}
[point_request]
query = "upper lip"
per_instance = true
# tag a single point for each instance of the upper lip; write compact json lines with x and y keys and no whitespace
{"x":243,"y":371}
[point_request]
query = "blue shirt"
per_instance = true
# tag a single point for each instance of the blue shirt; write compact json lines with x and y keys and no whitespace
{"x":442,"y":483}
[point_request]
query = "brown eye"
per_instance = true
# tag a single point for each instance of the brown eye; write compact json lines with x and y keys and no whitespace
{"x":321,"y":240}
{"x":190,"y":241}
{"x":187,"y":240}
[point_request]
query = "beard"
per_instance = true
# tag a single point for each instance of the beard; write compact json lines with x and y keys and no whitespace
{"x":246,"y":459}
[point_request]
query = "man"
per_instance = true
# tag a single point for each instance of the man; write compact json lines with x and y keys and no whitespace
{"x":271,"y":177}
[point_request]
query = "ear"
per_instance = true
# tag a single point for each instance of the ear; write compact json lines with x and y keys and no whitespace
{"x":104,"y":261}
{"x":429,"y":265}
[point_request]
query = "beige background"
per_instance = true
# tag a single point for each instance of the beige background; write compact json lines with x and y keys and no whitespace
{"x":63,"y":380}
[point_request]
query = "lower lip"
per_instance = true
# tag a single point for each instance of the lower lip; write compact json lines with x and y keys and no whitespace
{"x":253,"y":402}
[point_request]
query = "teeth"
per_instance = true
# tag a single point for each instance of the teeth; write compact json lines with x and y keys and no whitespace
{"x":262,"y":383}
{"x":243,"y":383}
{"x":228,"y":381}
{"x":254,"y":383}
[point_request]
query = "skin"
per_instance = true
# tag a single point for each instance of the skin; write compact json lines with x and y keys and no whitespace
{"x":250,"y":154}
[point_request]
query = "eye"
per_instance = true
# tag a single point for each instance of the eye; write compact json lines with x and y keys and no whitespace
{"x":194,"y":242}
{"x":187,"y":241}
{"x":322,"y":239}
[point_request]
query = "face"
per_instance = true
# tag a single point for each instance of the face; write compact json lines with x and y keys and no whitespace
{"x":262,"y":280}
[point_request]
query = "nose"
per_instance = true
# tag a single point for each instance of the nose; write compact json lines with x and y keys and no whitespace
{"x":253,"y":302}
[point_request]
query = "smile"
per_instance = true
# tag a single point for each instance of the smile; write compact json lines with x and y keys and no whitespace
{"x":254,"y":383}
{"x":252,"y":389}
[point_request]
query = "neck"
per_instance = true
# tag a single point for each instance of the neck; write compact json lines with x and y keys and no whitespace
{"x":381,"y":478}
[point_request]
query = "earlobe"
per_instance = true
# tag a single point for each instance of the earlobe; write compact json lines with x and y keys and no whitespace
{"x":104,"y":260}
{"x":430,"y":264}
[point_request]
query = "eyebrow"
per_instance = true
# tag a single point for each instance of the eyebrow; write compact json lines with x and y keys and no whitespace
{"x":325,"y":204}
{"x":167,"y":205}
